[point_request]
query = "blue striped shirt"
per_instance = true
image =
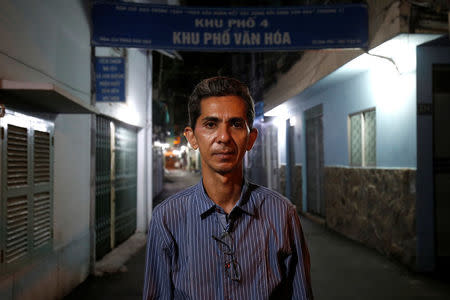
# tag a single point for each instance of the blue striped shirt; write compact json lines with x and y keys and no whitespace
{"x":187,"y":260}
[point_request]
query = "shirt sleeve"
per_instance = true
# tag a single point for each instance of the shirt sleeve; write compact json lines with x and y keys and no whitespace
{"x":301,"y":284}
{"x":157,"y":282}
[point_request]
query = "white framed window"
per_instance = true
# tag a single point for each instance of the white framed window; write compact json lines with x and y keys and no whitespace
{"x":362,"y":138}
{"x":26,"y":195}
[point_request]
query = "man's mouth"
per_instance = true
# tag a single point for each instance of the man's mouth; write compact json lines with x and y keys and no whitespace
{"x":223,"y":154}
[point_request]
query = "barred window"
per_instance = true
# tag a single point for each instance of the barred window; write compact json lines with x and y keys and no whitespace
{"x":362,"y":138}
{"x":26,"y":192}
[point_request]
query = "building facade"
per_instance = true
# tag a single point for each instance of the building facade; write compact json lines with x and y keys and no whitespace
{"x":71,"y":187}
{"x":355,"y":138}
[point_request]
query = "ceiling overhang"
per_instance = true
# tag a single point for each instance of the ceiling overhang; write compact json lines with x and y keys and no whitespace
{"x":42,"y":98}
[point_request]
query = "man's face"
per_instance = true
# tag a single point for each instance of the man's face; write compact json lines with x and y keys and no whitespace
{"x":222,"y":134}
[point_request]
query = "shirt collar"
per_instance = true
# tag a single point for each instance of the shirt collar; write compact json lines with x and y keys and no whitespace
{"x":205,"y":205}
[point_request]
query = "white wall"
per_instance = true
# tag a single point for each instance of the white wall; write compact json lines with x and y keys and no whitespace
{"x":46,"y":43}
{"x":72,"y":199}
{"x":133,"y":110}
{"x":50,"y":43}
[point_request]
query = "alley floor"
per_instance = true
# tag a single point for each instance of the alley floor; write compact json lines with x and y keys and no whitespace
{"x":341,"y":269}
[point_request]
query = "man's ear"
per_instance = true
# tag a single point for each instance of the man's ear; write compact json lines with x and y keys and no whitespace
{"x":189,"y":134}
{"x":252,"y":138}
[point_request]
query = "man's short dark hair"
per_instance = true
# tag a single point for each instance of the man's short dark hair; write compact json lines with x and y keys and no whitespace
{"x":217,"y":87}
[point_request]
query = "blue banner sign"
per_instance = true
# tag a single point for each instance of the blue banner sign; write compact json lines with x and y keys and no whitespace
{"x":228,"y":29}
{"x":110,"y":79}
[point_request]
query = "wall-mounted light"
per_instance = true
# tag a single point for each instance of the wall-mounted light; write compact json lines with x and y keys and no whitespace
{"x":281,"y":114}
{"x":279,"y":122}
{"x":292,"y":121}
{"x":278,"y":111}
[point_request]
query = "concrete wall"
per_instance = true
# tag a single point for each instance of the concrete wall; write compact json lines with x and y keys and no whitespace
{"x":50,"y":43}
{"x":374,"y":206}
{"x":296,"y":185}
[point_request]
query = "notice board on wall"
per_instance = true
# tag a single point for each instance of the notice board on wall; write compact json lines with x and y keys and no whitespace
{"x":110,"y":79}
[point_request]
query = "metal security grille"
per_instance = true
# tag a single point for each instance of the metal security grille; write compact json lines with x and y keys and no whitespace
{"x":270,"y":141}
{"x":116,"y":184}
{"x":17,"y":213}
{"x":103,"y":188}
{"x":26,"y":198}
{"x":42,"y":229}
{"x":41,"y":157}
{"x":42,"y":204}
{"x":362,"y":135}
{"x":370,"y":139}
{"x":17,"y":220}
{"x":17,"y":153}
{"x":125,"y":182}
{"x":255,"y":165}
{"x":355,"y":140}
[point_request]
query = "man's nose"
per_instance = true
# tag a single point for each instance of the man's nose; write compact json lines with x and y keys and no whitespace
{"x":223,"y":134}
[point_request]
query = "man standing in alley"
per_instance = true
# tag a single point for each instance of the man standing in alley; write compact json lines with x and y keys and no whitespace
{"x":225,"y":238}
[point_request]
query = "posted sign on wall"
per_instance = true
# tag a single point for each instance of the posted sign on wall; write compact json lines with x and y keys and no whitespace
{"x":200,"y":28}
{"x":110,"y":79}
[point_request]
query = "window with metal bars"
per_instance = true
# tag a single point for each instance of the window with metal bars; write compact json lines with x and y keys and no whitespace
{"x":26,"y":211}
{"x":362,"y":138}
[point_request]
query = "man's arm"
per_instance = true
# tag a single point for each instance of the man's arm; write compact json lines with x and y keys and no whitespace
{"x":302,"y":277}
{"x":157,"y":282}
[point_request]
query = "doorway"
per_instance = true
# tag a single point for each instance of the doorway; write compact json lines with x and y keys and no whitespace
{"x":314,"y":161}
{"x":116,"y":184}
{"x":441,"y":163}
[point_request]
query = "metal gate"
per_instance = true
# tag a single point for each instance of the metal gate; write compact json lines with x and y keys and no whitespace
{"x":103,"y":188}
{"x":255,"y":163}
{"x":314,"y":160}
{"x":116,"y":182}
{"x":270,"y":140}
{"x":124,"y":183}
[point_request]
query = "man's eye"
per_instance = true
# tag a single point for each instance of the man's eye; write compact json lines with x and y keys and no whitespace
{"x":210,"y":124}
{"x":238,"y":124}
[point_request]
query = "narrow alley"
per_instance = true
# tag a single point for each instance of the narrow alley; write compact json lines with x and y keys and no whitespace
{"x":126,"y":281}
{"x":345,"y":111}
{"x":341,"y":268}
